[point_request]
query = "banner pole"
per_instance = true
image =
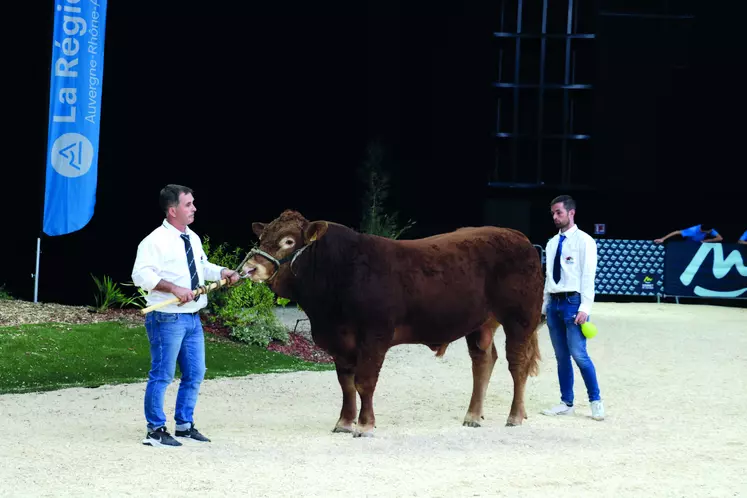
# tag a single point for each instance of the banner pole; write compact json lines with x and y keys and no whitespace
{"x":36,"y":272}
{"x":35,"y":275}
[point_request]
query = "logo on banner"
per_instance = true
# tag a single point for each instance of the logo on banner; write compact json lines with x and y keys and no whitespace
{"x":648,"y":283}
{"x":721,"y":267}
{"x":72,"y":155}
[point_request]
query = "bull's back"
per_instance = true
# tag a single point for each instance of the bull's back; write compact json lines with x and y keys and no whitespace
{"x":470,"y":250}
{"x":452,"y":281}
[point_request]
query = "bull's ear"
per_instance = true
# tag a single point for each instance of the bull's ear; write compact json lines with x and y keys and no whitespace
{"x":315,"y":231}
{"x":258,"y":228}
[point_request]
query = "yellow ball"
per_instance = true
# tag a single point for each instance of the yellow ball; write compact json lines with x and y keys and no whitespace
{"x":588,"y":329}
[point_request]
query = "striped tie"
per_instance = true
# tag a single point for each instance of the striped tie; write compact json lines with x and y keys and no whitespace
{"x":556,"y":263}
{"x":191,"y":263}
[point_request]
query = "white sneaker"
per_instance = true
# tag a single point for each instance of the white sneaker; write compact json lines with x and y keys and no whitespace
{"x":561,"y":409}
{"x":597,"y":410}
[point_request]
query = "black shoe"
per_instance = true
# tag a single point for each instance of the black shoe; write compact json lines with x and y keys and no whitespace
{"x":192,"y":433}
{"x":160,"y":437}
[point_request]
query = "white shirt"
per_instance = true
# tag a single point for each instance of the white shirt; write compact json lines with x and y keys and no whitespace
{"x":162,"y":256}
{"x":578,"y":267}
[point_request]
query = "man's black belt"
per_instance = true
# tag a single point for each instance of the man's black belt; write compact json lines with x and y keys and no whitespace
{"x":564,"y":294}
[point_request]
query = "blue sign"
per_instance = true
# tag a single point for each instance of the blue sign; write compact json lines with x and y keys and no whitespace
{"x":629,"y":268}
{"x":74,"y":115}
{"x":698,"y":269}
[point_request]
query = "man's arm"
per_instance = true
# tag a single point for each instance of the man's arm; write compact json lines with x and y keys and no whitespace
{"x":213,"y":272}
{"x":715,"y":237}
{"x":546,"y":294}
{"x":671,"y":234}
{"x":145,"y":269}
{"x":588,"y":274}
{"x":145,"y":274}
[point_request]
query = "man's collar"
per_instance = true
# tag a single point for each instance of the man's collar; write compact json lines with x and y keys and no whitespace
{"x":174,"y":230}
{"x":570,"y":231}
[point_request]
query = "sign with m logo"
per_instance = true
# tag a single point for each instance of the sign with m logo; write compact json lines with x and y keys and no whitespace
{"x":702,"y":270}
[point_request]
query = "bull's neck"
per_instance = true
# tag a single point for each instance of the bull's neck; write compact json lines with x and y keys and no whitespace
{"x":324,"y":268}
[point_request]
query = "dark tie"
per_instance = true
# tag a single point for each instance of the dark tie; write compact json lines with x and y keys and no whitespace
{"x":556,"y":264}
{"x":191,"y":263}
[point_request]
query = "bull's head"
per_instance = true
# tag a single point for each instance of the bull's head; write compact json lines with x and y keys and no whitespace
{"x":280,"y":242}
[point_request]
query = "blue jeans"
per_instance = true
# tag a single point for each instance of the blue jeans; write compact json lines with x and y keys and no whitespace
{"x":568,"y":341}
{"x":174,"y":337}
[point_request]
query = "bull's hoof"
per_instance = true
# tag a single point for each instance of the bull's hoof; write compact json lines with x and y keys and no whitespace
{"x":472,"y":420}
{"x":343,"y":429}
{"x":471,"y":423}
{"x":364,"y":430}
{"x":513,"y":422}
{"x":363,"y":434}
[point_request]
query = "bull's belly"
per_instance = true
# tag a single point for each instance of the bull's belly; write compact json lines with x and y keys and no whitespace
{"x":444,"y":332}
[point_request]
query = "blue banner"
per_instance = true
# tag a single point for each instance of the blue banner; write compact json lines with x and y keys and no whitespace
{"x":694,"y":269}
{"x":629,"y":267}
{"x":74,"y":115}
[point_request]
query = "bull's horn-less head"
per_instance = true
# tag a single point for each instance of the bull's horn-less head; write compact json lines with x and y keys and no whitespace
{"x":280,"y":242}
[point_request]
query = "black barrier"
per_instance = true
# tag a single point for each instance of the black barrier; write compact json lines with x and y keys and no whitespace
{"x":694,"y":269}
{"x":629,"y":267}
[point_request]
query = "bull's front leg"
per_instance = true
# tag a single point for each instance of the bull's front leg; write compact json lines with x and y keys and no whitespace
{"x":366,"y":377}
{"x":346,"y":377}
{"x":484,"y":355}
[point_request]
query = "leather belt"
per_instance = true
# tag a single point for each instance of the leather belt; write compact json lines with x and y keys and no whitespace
{"x":564,"y":294}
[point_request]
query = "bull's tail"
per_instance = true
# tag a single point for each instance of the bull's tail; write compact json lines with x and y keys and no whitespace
{"x":532,"y":351}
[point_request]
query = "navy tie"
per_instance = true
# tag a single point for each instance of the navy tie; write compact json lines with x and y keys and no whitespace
{"x":556,"y":264}
{"x":191,"y":263}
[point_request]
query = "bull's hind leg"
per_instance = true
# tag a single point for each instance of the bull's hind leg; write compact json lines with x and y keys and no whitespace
{"x":484,"y":355}
{"x":346,"y":377}
{"x":366,"y":376}
{"x":522,"y":353}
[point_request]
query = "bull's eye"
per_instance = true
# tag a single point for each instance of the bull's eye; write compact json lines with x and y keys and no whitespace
{"x":287,"y":242}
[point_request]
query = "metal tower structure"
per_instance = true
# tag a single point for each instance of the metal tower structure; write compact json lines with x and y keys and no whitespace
{"x":543,"y":88}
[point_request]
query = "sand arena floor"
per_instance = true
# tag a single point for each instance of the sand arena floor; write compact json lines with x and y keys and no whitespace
{"x":673,"y":377}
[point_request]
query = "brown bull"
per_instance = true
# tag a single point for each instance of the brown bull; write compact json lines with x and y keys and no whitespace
{"x":364,"y":294}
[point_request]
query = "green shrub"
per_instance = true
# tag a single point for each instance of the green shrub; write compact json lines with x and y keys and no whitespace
{"x":4,"y":294}
{"x":247,"y":308}
{"x":109,"y":294}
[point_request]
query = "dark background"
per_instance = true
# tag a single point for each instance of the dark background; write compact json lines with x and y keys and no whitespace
{"x":260,"y":109}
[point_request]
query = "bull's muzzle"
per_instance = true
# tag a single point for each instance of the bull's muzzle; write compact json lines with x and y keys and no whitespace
{"x":276,"y":263}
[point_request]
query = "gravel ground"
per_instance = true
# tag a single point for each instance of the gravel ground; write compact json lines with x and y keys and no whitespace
{"x":673,"y":379}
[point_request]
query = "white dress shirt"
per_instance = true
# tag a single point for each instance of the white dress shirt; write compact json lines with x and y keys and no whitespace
{"x":161,"y":256}
{"x":578,"y":267}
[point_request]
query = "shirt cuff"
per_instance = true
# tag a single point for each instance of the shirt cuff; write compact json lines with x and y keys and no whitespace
{"x":212,"y":272}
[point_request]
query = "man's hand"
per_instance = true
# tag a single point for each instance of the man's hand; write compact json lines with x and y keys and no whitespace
{"x":185,"y":295}
{"x":581,"y":318}
{"x":231,"y":275}
{"x":658,"y":241}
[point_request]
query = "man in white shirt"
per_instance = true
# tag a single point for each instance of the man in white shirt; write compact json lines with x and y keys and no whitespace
{"x":569,"y":296}
{"x":170,"y":262}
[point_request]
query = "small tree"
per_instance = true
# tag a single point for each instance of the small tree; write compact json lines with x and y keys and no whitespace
{"x":375,"y":220}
